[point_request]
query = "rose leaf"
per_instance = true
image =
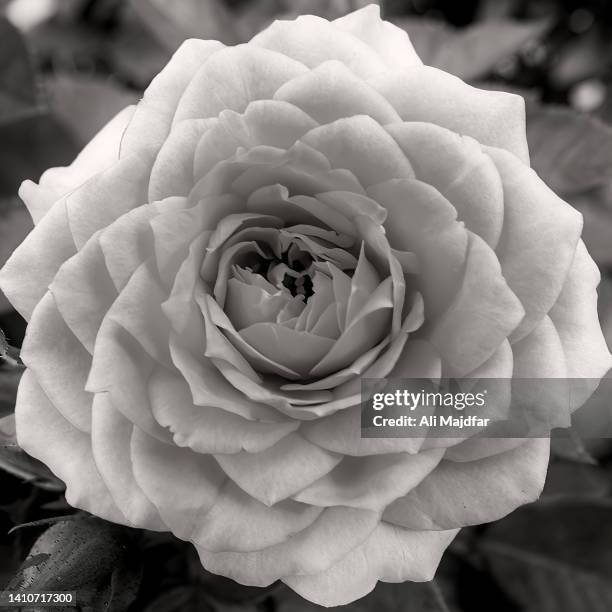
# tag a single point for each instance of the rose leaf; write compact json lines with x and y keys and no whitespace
{"x":15,"y":460}
{"x":172,"y":23}
{"x":572,"y":479}
{"x":186,"y":598}
{"x":85,"y":105}
{"x":472,"y":52}
{"x":570,"y":151}
{"x":30,"y":145}
{"x":95,"y":558}
{"x":18,"y":92}
{"x":554,"y":555}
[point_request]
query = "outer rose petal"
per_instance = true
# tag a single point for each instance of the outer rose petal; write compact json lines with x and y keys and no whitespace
{"x":427,"y":94}
{"x":110,"y":439}
{"x":538,"y":240}
{"x":390,"y":42}
{"x":154,"y":114}
{"x":575,"y":317}
{"x":390,"y":554}
{"x":295,"y":40}
{"x":460,"y":494}
{"x":69,"y":455}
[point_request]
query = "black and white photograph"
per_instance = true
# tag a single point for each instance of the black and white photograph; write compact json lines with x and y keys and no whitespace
{"x":306,"y":305}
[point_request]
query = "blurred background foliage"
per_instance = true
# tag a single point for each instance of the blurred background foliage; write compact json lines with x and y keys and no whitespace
{"x":67,"y":66}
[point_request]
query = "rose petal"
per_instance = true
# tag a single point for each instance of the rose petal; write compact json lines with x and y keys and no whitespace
{"x":264,"y":122}
{"x":69,"y":457}
{"x":228,"y":525}
{"x":59,"y":362}
{"x":456,"y":495}
{"x":84,"y":291}
{"x":234,"y":77}
{"x":371,"y":483}
{"x":312,"y":41}
{"x":390,"y":42}
{"x":172,"y":173}
{"x":127,"y":243}
{"x":391,"y":554}
{"x":331,"y":536}
{"x":422,"y":221}
{"x":121,"y":367}
{"x":181,"y":484}
{"x":482,"y":315}
{"x":427,"y":94}
{"x":362,"y":146}
{"x":575,"y":317}
{"x":26,"y":275}
{"x":459,"y":170}
{"x":207,"y":429}
{"x":110,"y":439}
{"x":151,"y":123}
{"x":107,"y":196}
{"x":538,"y":240}
{"x":331,"y":91}
{"x":280,"y":471}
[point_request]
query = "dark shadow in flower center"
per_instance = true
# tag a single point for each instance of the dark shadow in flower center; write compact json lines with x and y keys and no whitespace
{"x":291,"y":269}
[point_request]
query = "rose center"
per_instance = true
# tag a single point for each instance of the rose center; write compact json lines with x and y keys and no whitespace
{"x":291,"y":270}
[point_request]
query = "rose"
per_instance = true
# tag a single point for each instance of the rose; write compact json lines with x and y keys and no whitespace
{"x":209,"y":280}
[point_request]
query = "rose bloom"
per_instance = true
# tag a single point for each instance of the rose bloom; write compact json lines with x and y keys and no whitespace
{"x":211,"y":278}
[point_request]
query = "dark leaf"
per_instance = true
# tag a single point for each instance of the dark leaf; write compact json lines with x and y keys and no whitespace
{"x":570,"y":446}
{"x":596,"y":209}
{"x":9,"y":381}
{"x":90,"y":556}
{"x":554,"y":556}
{"x":18,"y":94}
{"x":15,"y":224}
{"x":34,"y":561}
{"x":10,"y":374}
{"x":85,"y":105}
{"x":172,"y":23}
{"x":386,"y":597}
{"x":4,"y":346}
{"x":570,"y":151}
{"x":186,"y":598}
{"x":473,"y":52}
{"x":571,"y":479}
{"x":30,"y":146}
{"x":17,"y":462}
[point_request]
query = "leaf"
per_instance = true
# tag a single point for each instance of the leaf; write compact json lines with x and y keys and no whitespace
{"x":18,"y":93}
{"x":15,"y":224}
{"x":569,"y":446}
{"x":4,"y":346}
{"x":10,"y":373}
{"x":172,"y":23}
{"x":92,"y":557}
{"x":471,"y":52}
{"x":85,"y":105}
{"x":570,"y":151}
{"x":30,"y":145}
{"x":386,"y":597}
{"x":571,"y":479}
{"x":181,"y":599}
{"x":596,"y":209}
{"x":17,"y":462}
{"x":555,"y":556}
